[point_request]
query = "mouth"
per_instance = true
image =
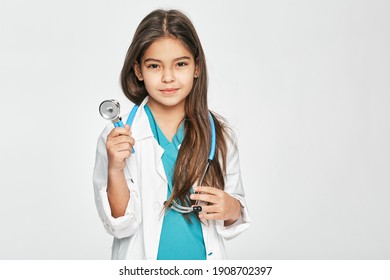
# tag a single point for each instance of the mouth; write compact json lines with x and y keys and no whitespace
{"x":169,"y":90}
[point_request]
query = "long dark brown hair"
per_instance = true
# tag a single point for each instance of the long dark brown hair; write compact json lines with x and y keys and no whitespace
{"x":194,"y":150}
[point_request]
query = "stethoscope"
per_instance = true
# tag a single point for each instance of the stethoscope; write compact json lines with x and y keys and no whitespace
{"x":110,"y":110}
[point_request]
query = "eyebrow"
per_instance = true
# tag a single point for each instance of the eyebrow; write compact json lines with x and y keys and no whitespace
{"x":176,"y":59}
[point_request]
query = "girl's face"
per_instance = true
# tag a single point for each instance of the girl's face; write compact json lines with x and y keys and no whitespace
{"x":168,"y":70}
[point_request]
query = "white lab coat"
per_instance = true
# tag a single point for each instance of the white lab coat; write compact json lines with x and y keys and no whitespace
{"x":137,"y":233}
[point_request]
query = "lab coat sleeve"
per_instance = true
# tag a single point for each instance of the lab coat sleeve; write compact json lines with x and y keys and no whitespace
{"x":128,"y":224}
{"x":233,"y":186}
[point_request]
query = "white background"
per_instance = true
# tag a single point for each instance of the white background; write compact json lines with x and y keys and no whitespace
{"x":305,"y":85}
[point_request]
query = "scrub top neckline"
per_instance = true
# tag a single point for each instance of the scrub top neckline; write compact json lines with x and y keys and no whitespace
{"x":159,"y":134}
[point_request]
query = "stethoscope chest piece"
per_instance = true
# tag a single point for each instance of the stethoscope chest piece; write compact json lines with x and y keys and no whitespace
{"x":110,"y":110}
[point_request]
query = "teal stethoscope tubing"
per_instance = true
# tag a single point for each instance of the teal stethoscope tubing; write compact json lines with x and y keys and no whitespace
{"x":129,"y":121}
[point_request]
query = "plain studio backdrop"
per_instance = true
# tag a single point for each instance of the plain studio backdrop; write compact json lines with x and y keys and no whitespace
{"x":305,"y":85}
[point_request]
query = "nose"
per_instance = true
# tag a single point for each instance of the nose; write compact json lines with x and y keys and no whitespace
{"x":168,"y":76}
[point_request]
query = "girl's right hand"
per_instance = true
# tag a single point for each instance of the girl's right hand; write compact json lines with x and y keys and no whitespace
{"x":119,"y":145}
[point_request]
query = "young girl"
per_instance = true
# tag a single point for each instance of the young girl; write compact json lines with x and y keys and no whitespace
{"x":146,"y":174}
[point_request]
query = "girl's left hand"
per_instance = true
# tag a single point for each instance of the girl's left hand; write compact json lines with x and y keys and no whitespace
{"x":222,"y":205}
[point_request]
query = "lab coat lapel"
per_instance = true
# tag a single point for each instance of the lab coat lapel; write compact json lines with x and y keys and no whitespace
{"x":141,"y":130}
{"x":158,"y":152}
{"x":160,"y":196}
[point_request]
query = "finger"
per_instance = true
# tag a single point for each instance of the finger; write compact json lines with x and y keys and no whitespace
{"x":209,"y":190}
{"x":204,"y":197}
{"x":119,"y":131}
{"x":124,"y":154}
{"x":128,"y":128}
{"x":121,"y":139}
{"x":210,"y":209}
{"x":210,"y":216}
{"x":119,"y":156}
{"x":123,"y":147}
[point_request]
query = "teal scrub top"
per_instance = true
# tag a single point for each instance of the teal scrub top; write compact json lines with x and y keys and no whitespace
{"x":179,"y":239}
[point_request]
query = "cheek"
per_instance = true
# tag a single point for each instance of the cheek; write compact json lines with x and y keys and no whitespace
{"x":190,"y":84}
{"x":186,"y":80}
{"x":151,"y":80}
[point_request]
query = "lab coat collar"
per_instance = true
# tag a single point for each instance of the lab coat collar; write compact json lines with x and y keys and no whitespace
{"x":141,"y":129}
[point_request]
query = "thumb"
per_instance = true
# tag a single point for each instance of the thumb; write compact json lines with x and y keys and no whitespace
{"x":128,"y":128}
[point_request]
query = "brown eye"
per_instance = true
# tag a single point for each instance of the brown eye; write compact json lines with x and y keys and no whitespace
{"x":152,"y":66}
{"x":181,"y":64}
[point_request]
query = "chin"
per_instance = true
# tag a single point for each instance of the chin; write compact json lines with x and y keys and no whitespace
{"x":171,"y":103}
{"x":169,"y":100}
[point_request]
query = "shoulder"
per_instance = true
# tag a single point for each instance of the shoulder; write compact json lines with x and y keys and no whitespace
{"x":229,"y":143}
{"x":228,"y":133}
{"x":232,"y":161}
